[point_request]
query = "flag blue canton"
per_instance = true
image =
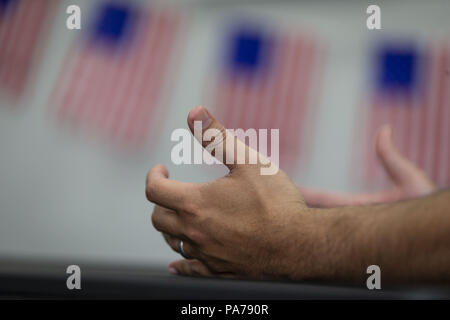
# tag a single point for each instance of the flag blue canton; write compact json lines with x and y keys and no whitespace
{"x":397,"y":69}
{"x":4,"y":4}
{"x":248,"y":50}
{"x":112,"y":23}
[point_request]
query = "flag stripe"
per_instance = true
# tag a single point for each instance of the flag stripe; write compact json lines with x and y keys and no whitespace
{"x":440,"y":92}
{"x":20,"y":29}
{"x":301,"y":121}
{"x":30,"y":31}
{"x":275,"y":98}
{"x":129,"y":81}
{"x":115,"y":90}
{"x":11,"y":33}
{"x":161,"y":65}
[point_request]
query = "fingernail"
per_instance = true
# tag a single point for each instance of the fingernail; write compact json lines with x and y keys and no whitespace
{"x":204,"y":117}
{"x":173,"y":270}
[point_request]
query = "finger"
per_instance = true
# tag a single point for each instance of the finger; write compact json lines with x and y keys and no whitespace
{"x":171,"y":241}
{"x":190,"y":249}
{"x":195,"y":267}
{"x":191,"y":267}
{"x":326,"y":199}
{"x":401,"y":170}
{"x":165,"y":192}
{"x":174,"y":243}
{"x":167,"y":222}
{"x":220,"y":142}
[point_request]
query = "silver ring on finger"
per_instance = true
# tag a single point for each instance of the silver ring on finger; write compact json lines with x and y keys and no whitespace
{"x":181,"y":250}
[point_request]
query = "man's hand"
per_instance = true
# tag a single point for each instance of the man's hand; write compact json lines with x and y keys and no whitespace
{"x":242,"y":225}
{"x":409,"y":181}
{"x":258,"y":226}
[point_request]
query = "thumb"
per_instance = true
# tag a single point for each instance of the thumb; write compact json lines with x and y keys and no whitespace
{"x":401,"y":170}
{"x":220,"y":142}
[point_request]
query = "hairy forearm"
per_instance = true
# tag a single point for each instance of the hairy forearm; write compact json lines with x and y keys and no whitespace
{"x":409,"y":241}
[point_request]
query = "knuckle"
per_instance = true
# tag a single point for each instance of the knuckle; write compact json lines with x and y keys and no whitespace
{"x":199,"y":269}
{"x":147,"y":178}
{"x":193,"y":203}
{"x":153,"y":213}
{"x":150,"y":191}
{"x":173,"y":244}
{"x":155,"y":220}
{"x":218,"y":138}
{"x":195,"y":236}
{"x":190,"y":207}
{"x":214,"y":266}
{"x":196,"y":270}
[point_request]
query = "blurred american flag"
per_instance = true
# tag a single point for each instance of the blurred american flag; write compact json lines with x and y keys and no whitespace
{"x":267,"y":80}
{"x":22,"y":24}
{"x":411,"y":91}
{"x":114,"y":74}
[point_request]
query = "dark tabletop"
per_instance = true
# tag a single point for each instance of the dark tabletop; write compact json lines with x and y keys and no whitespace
{"x":37,"y":279}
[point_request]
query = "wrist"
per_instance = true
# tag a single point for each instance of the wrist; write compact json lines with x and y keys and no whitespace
{"x":329,"y":247}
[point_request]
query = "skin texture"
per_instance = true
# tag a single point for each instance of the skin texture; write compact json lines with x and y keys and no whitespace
{"x":250,"y":225}
{"x":409,"y":240}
